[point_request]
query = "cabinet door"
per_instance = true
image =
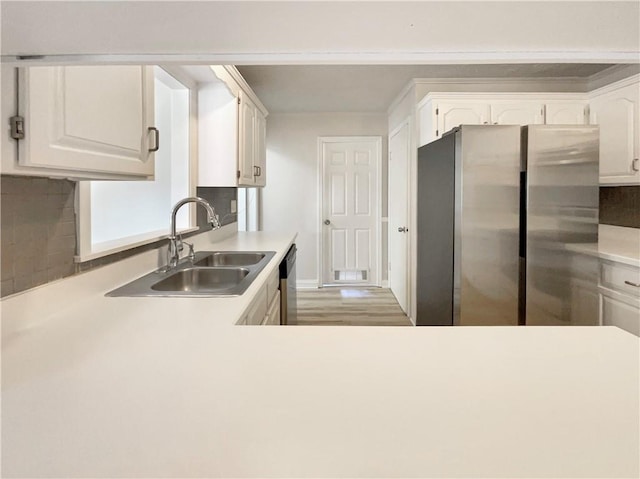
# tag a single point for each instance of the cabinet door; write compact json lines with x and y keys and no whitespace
{"x":565,"y":113}
{"x":273,"y":313}
{"x":452,"y":114}
{"x":257,"y":312}
{"x":620,"y":314}
{"x":517,"y":113}
{"x":427,"y":123}
{"x":88,"y":119}
{"x":246,"y":150}
{"x":260,"y":153}
{"x":617,"y":115}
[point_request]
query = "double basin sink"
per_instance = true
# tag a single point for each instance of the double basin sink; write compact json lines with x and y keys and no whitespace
{"x":210,"y":273}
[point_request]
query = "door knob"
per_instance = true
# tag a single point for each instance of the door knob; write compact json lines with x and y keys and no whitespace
{"x":327,"y":222}
{"x":402,"y":229}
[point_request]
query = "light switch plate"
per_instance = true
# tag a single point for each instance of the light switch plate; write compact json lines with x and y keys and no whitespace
{"x":234,"y":206}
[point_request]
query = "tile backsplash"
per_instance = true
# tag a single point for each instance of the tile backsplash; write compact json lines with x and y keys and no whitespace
{"x":38,"y":231}
{"x":221,"y":199}
{"x":620,"y":206}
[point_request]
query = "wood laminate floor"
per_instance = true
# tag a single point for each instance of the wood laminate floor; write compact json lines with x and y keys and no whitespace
{"x":348,"y":306}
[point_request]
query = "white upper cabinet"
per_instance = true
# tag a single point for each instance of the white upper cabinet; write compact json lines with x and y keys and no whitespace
{"x":247,"y":151}
{"x":260,"y":157}
{"x":615,"y":109}
{"x":452,"y":114}
{"x":90,"y":122}
{"x":517,"y":113}
{"x":232,"y":129}
{"x":440,"y":112}
{"x":566,"y":113}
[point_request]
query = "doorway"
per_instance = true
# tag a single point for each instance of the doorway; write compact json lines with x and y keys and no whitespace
{"x":350,"y":209}
{"x":398,"y":213}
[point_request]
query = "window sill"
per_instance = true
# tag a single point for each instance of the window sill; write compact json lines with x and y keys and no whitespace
{"x":107,"y":248}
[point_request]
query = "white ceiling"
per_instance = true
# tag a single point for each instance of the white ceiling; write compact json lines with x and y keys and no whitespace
{"x":372,"y":88}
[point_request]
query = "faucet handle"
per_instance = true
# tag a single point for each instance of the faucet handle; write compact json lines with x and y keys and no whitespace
{"x":179,"y":244}
{"x":192,"y":253}
{"x":214,"y":221}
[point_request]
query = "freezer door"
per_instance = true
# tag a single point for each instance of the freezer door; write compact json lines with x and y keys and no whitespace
{"x":487,"y":225}
{"x":562,"y":211}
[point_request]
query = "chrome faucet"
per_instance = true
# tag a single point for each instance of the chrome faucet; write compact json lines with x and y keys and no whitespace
{"x":175,"y":241}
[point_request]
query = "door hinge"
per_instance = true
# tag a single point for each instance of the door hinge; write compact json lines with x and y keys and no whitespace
{"x":238,"y":174}
{"x":437,"y":132}
{"x":17,"y":127}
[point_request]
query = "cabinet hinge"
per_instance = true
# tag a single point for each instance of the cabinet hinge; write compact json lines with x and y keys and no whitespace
{"x":437,"y":132}
{"x":239,"y":100}
{"x":437,"y":111}
{"x":17,"y":127}
{"x":238,"y":174}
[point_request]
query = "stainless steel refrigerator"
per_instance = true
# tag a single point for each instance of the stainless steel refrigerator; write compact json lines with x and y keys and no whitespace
{"x":500,"y":210}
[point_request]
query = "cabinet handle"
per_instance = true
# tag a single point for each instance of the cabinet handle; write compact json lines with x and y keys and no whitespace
{"x":157,"y":139}
{"x":632,"y":284}
{"x":634,"y":164}
{"x":259,"y":170}
{"x":255,"y":170}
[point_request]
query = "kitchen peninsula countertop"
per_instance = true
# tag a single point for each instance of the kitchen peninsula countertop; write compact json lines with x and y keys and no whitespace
{"x":615,"y":243}
{"x":162,"y":387}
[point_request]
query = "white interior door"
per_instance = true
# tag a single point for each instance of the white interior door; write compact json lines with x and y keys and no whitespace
{"x":350,"y":210}
{"x":398,"y":214}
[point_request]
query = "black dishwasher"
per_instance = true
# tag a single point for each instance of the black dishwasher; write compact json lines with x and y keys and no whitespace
{"x":288,"y":307}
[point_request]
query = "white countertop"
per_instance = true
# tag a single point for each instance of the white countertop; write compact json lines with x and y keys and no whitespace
{"x":615,"y":243}
{"x":161,"y":387}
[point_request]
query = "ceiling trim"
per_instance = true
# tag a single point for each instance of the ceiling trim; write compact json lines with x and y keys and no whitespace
{"x":343,"y":58}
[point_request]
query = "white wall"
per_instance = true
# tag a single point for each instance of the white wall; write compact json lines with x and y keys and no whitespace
{"x":361,"y":31}
{"x":290,"y":199}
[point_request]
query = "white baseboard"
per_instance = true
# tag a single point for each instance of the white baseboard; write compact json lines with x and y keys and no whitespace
{"x":307,"y":284}
{"x":313,"y":284}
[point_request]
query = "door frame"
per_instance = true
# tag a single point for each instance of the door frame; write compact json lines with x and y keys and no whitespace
{"x":322,"y":140}
{"x":408,"y":124}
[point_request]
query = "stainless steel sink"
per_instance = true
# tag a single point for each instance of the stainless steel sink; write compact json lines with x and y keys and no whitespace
{"x":211,"y":273}
{"x":202,"y":279}
{"x":230,"y":258}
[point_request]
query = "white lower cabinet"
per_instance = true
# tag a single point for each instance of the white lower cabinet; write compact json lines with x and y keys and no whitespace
{"x":273,"y":312}
{"x":258,"y":309}
{"x":265,"y":307}
{"x":620,"y":296}
{"x":621,"y":313}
